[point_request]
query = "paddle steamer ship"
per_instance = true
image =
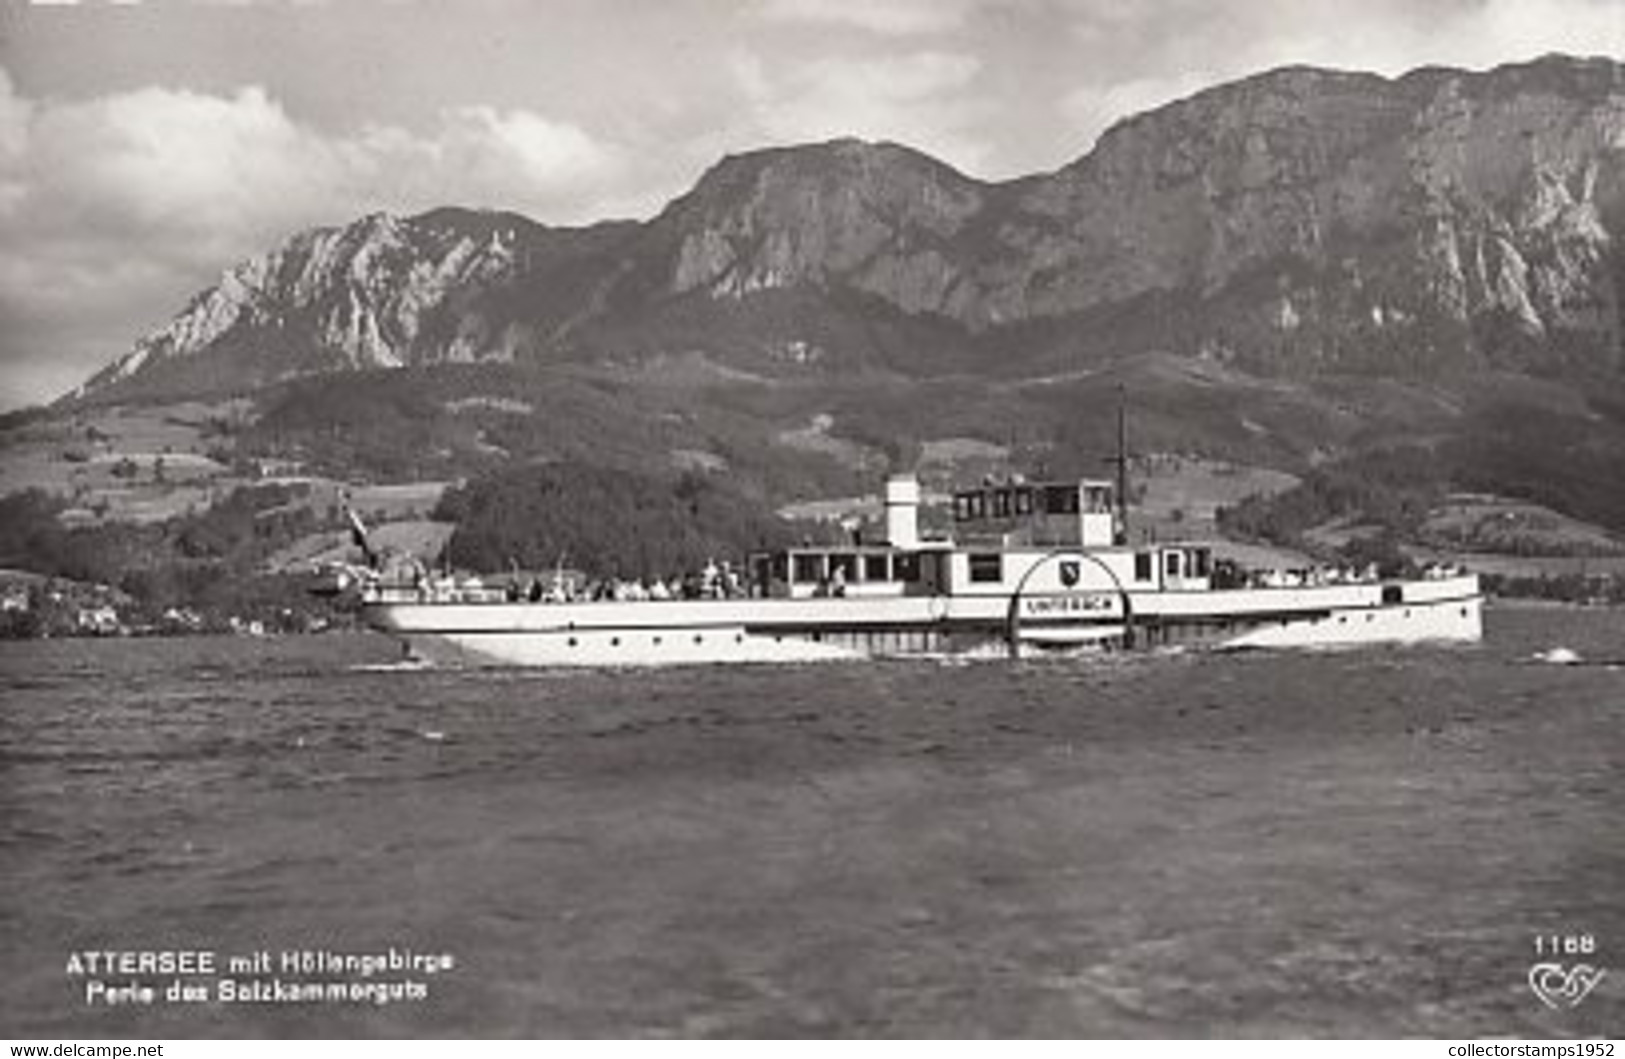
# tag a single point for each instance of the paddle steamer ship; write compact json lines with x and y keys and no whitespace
{"x":1029,"y":568}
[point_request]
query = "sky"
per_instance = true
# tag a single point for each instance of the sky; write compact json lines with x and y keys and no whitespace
{"x":147,"y":145}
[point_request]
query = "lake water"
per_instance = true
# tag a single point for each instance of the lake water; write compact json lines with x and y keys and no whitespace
{"x":1354,"y":844}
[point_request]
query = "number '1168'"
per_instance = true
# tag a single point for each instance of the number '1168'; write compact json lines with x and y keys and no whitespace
{"x":1565,"y":944}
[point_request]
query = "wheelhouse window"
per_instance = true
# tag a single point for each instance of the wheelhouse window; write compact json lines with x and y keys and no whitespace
{"x":1060,"y":500}
{"x":1143,"y":567}
{"x":987,"y":567}
{"x":1001,"y":503}
{"x":876,"y":568}
{"x":1024,"y":501}
{"x":1201,"y":562}
{"x":970,"y":507}
{"x":1172,"y":562}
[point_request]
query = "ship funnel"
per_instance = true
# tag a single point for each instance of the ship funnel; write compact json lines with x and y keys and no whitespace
{"x":903,"y":511}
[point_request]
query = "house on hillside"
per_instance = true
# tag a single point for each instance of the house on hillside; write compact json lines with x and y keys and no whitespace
{"x":98,"y":620}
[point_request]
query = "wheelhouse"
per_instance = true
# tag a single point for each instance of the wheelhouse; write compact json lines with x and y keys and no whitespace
{"x":1052,"y":514}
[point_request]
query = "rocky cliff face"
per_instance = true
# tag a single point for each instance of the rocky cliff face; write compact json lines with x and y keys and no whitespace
{"x":1301,"y":221}
{"x":879,"y":218}
{"x":383,"y":292}
{"x":1318,"y":219}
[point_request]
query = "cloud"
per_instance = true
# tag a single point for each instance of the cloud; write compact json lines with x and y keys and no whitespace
{"x":14,"y":122}
{"x":921,"y":99}
{"x":163,"y":165}
{"x":544,"y":153}
{"x":1146,"y":55}
{"x":1494,"y":30}
{"x":158,"y":160}
{"x":114,"y":210}
{"x":1094,"y":109}
{"x":889,"y":18}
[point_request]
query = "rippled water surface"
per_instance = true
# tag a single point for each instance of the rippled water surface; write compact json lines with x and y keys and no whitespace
{"x":1351,"y":844}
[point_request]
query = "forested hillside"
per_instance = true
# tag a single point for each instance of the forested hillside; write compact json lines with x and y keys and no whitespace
{"x":605,"y":523}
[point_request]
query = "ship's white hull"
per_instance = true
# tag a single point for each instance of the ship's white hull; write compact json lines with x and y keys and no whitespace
{"x":609,"y":648}
{"x":790,"y":630}
{"x":1459,"y":621}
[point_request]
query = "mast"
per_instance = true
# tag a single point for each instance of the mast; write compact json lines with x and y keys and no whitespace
{"x":1122,"y":466}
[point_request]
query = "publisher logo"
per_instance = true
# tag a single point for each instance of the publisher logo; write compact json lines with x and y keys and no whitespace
{"x":1561,"y":988}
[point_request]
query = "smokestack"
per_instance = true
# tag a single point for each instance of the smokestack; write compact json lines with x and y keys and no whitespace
{"x":903,"y":511}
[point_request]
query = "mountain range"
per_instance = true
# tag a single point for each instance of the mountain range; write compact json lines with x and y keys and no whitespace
{"x":1287,"y":269}
{"x":1301,"y":222}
